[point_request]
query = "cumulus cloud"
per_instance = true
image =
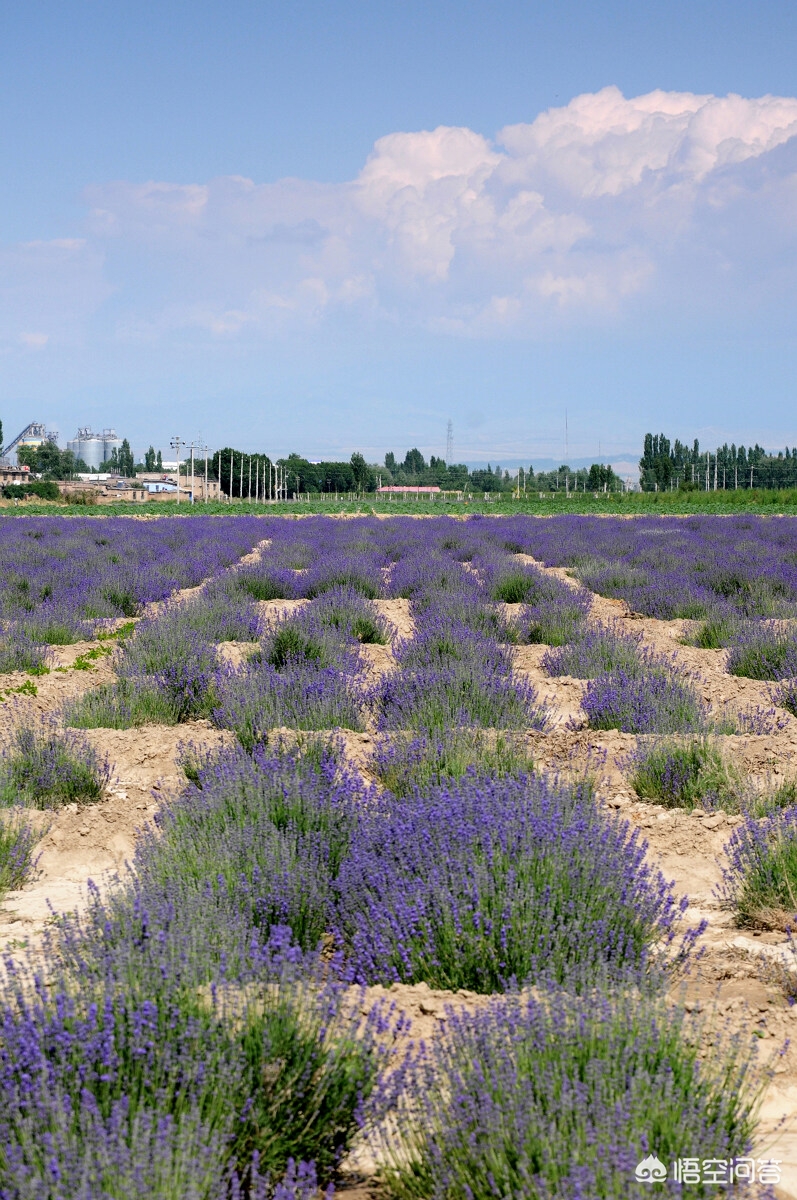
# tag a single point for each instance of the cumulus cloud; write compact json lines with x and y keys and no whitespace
{"x":583,"y":214}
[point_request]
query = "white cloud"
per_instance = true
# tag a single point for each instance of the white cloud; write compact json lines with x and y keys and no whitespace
{"x":33,"y":341}
{"x":583,"y":214}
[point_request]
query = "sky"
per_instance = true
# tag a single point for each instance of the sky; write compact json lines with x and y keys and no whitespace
{"x":335,"y":225}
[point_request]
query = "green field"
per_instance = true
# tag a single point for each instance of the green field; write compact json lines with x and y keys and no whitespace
{"x":774,"y":503}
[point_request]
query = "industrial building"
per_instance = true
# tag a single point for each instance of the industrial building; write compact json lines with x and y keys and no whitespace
{"x":94,"y":448}
{"x":34,"y":434}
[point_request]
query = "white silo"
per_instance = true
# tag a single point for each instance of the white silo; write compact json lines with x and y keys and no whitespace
{"x":110,"y":442}
{"x":94,"y":448}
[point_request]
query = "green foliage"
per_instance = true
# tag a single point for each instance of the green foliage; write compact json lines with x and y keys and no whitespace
{"x":17,"y":845}
{"x":120,"y":706}
{"x":405,"y":765}
{"x":544,"y":1087}
{"x":46,"y":459}
{"x":363,"y":476}
{"x":715,"y":632}
{"x":688,"y":774}
{"x":44,"y":489}
{"x":48,"y":768}
{"x":664,"y":466}
{"x":291,"y":643}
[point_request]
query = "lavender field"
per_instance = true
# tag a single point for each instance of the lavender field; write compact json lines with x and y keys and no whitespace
{"x":404,"y":857}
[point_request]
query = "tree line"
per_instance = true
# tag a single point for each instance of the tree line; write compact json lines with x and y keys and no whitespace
{"x":669,"y":466}
{"x":249,"y":476}
{"x":255,"y":475}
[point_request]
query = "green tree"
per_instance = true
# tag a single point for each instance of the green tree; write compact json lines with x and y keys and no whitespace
{"x":47,"y":460}
{"x":414,"y":462}
{"x":126,"y":462}
{"x":361,"y":472}
{"x":149,"y":459}
{"x":602,"y":478}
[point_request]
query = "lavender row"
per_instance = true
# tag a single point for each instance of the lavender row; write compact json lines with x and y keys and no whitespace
{"x":186,"y":1044}
{"x":62,"y":575}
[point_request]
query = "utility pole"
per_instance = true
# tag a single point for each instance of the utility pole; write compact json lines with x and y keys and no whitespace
{"x":249,"y":489}
{"x":202,"y":449}
{"x":232,"y":460}
{"x":191,"y":448}
{"x":175,"y":444}
{"x":449,"y":442}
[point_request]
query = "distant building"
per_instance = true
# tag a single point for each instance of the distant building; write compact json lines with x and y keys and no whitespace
{"x":9,"y":474}
{"x":34,"y":434}
{"x":400,"y":489}
{"x":94,"y":448}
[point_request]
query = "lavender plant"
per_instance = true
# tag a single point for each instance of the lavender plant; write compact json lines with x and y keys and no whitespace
{"x":426,"y":574}
{"x":61,"y":574}
{"x":480,"y":882}
{"x":436,"y":700}
{"x":47,"y":768}
{"x":687,"y":774}
{"x":555,"y":620}
{"x":674,"y":567}
{"x":552,"y":1095}
{"x":763,"y":652}
{"x":759,"y":880}
{"x":441,"y":642}
{"x":600,"y":649}
{"x":17,"y":851}
{"x":305,"y":639}
{"x":219,"y":614}
{"x":259,"y":698}
{"x":785,"y":696}
{"x":345,"y":609}
{"x":405,"y":764}
{"x":20,"y":652}
{"x":654,"y":702}
{"x":361,"y":572}
{"x":717,"y":630}
{"x":266,"y":582}
{"x":279,"y":1067}
{"x":269,"y":830}
{"x":168,"y":657}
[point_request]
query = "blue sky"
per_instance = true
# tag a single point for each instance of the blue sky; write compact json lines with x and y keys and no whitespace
{"x":334,"y":226}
